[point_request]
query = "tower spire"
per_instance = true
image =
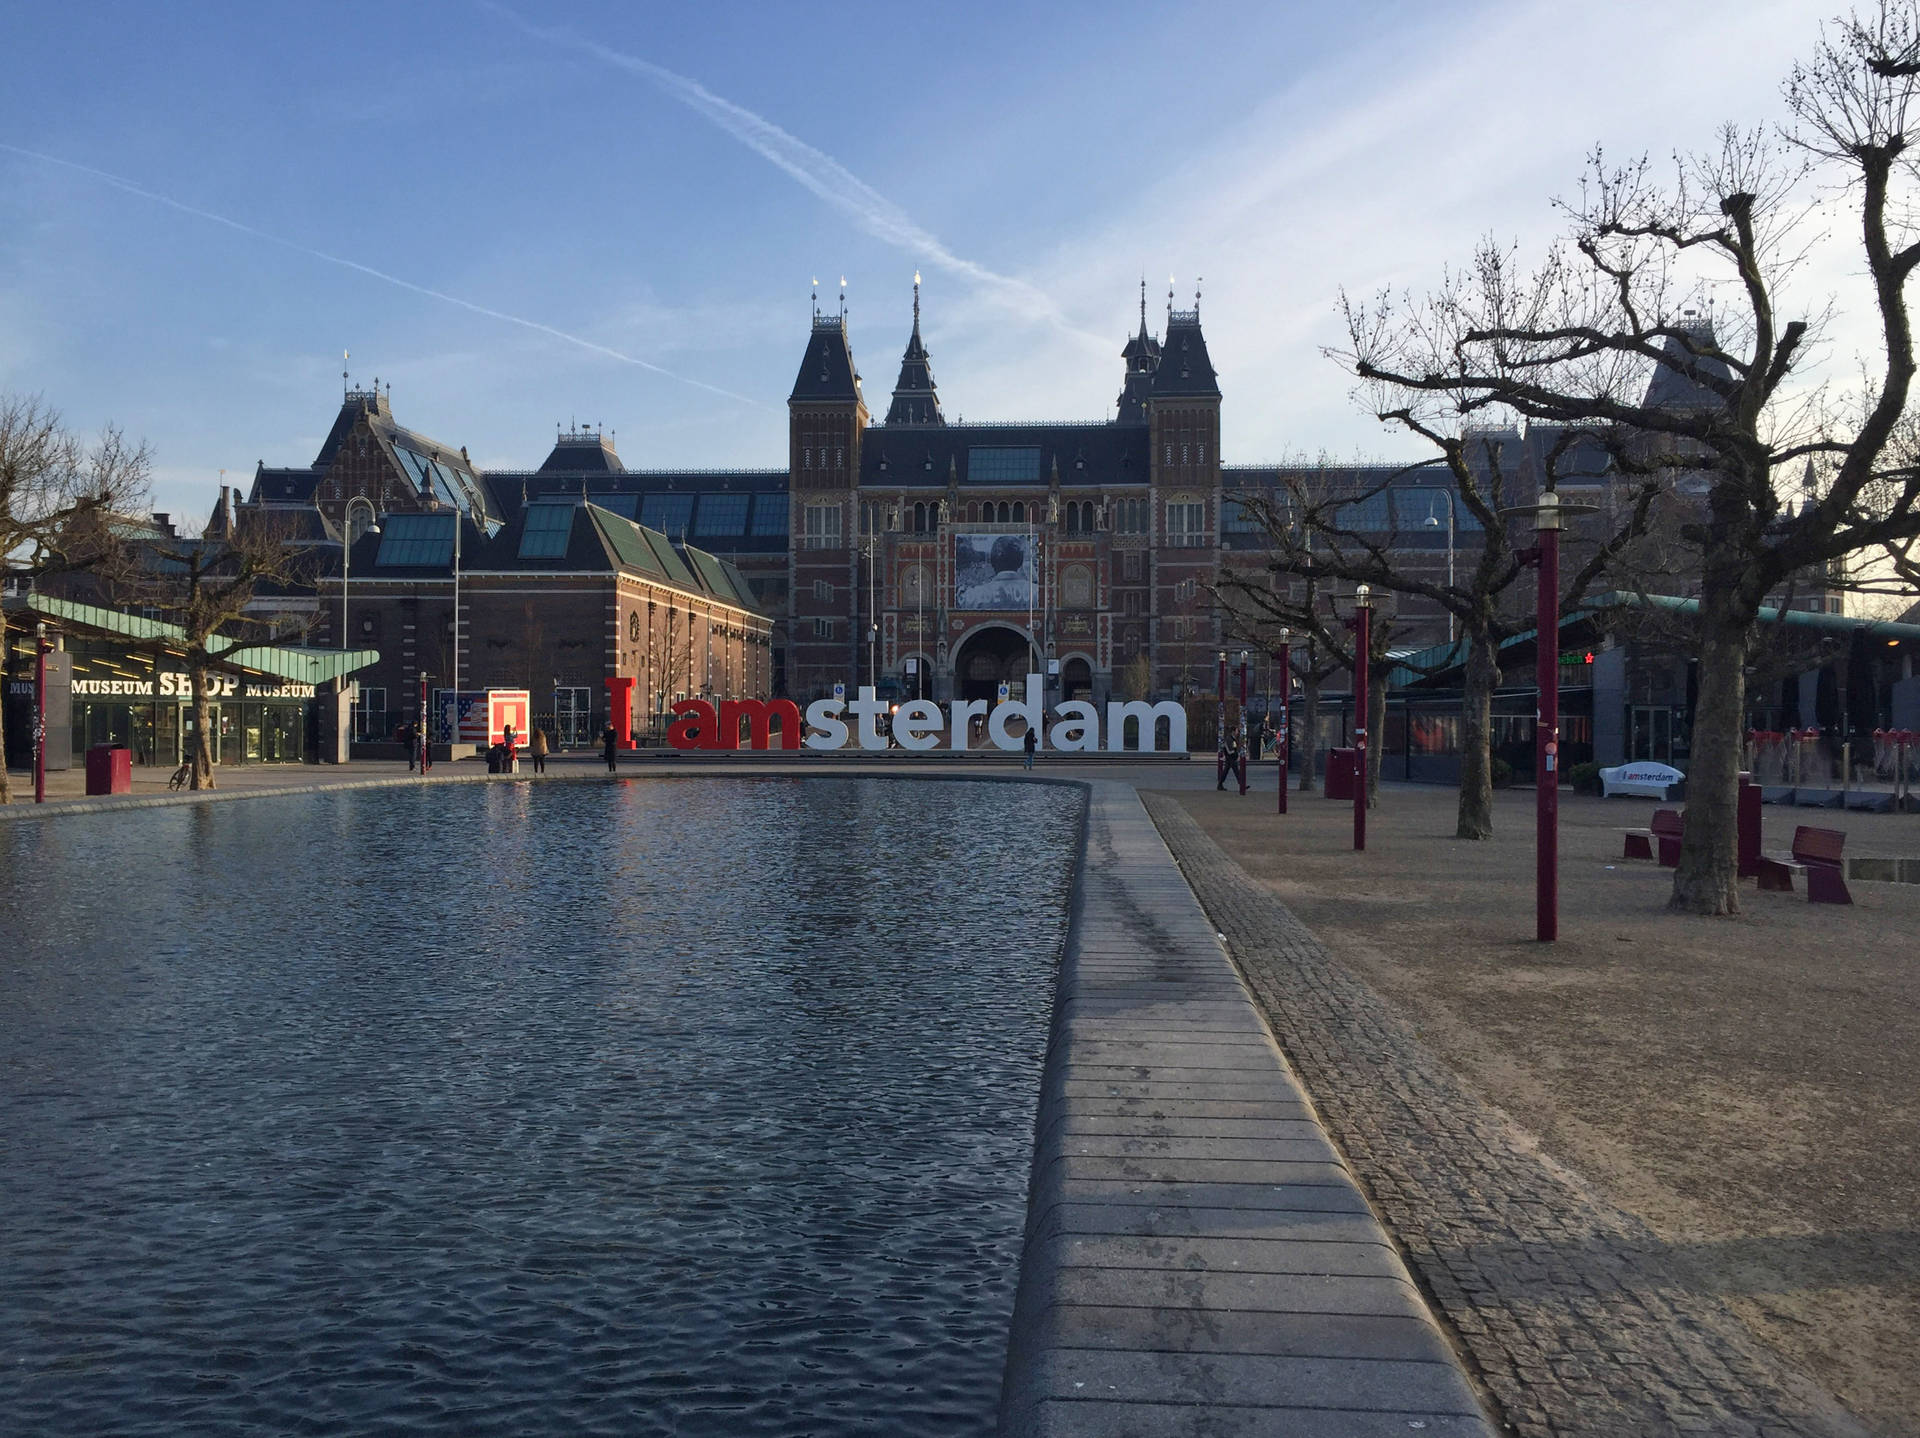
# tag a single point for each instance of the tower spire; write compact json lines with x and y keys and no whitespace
{"x":916,"y":400}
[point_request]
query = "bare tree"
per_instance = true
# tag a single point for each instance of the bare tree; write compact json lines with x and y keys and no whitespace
{"x":1256,"y":611}
{"x":1575,"y":342}
{"x":58,"y":497}
{"x":209,"y":587}
{"x":1329,"y":524}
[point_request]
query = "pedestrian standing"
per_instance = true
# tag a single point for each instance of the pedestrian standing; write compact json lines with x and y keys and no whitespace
{"x":537,"y":750}
{"x":507,"y":739}
{"x":405,"y":735}
{"x":607,"y":742}
{"x":1031,"y":743}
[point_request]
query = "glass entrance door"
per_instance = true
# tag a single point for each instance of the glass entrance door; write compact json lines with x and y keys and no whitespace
{"x":189,"y":737}
{"x":1651,"y":736}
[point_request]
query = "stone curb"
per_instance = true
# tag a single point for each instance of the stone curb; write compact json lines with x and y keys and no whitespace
{"x":1574,"y":1320}
{"x":1198,"y":1258}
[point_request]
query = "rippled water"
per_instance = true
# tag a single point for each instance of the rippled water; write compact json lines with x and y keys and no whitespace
{"x":690,"y":1107}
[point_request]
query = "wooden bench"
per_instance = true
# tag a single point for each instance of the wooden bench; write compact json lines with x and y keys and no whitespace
{"x":1816,"y":853}
{"x":1665,"y":829}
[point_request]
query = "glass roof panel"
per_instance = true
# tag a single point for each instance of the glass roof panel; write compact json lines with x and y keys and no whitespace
{"x":770,"y":514}
{"x":547,"y":529}
{"x":987,"y":464}
{"x":416,"y":539}
{"x":668,"y":513}
{"x":722,"y":514}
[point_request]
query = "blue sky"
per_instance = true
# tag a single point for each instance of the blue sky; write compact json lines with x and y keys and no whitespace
{"x":650,"y":189}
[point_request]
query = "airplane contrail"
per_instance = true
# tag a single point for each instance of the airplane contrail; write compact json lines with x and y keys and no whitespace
{"x":122,"y":183}
{"x":812,"y":168}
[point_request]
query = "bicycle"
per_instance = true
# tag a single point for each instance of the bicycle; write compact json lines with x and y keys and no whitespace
{"x":181,"y":776}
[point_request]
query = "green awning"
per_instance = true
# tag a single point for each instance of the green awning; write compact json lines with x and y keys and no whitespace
{"x":296,"y":664}
{"x":1429,"y":664}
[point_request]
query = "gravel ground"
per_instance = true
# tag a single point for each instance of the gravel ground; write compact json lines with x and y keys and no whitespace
{"x":1743,"y":1087}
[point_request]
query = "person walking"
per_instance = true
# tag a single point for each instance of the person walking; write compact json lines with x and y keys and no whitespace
{"x":405,"y":735}
{"x":537,"y":750}
{"x":1030,"y":743}
{"x":1229,"y":760}
{"x":607,"y":742}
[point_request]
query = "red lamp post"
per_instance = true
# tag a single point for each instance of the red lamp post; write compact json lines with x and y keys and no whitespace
{"x":1548,"y":517}
{"x":1283,"y":657}
{"x":1220,"y":725}
{"x":1362,"y":651}
{"x":40,"y":712}
{"x":1243,"y":721}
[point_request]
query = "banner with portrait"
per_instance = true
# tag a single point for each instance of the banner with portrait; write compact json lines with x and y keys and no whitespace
{"x":993,"y":571}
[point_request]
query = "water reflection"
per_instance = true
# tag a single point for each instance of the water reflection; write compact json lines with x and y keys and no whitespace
{"x":652,"y":1107}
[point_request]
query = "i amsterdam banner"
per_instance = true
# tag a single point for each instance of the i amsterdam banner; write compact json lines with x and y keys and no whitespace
{"x":180,"y":686}
{"x":918,"y":723}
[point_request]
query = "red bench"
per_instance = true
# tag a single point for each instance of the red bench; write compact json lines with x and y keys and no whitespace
{"x":1816,"y":853}
{"x":1665,"y":829}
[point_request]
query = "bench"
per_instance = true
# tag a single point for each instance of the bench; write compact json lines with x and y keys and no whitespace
{"x":1816,"y":853}
{"x":1665,"y":829}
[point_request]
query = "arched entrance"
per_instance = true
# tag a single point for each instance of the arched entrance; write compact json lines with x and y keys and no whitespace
{"x":988,"y":658}
{"x":1076,"y":679}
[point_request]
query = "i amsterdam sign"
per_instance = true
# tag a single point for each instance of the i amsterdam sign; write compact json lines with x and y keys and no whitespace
{"x":919,"y":723}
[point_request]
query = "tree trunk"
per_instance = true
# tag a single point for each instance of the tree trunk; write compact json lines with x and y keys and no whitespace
{"x":1376,"y":732}
{"x":202,"y":733}
{"x":1475,"y":818}
{"x":1707,"y":881}
{"x":1309,"y":752}
{"x":6,"y":789}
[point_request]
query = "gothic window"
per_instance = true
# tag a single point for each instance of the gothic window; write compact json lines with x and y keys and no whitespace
{"x":1186,"y":524}
{"x":1019,"y":512}
{"x":823,"y":526}
{"x":1073,"y":518}
{"x":1076,"y":586}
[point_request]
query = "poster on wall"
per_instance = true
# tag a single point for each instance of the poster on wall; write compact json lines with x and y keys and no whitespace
{"x":992,"y":571}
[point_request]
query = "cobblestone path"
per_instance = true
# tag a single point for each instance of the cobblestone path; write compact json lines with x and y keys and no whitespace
{"x":1564,"y":1303}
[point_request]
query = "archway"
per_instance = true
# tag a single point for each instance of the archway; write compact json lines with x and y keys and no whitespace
{"x":986,"y":659}
{"x":1076,"y":679}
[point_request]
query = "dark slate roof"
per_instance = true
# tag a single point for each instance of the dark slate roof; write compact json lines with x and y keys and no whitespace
{"x":625,"y":494}
{"x":1142,"y":354}
{"x":283,"y":486}
{"x":1676,"y":380}
{"x":1185,"y":369}
{"x":582,"y":453}
{"x":916,"y":400}
{"x":826,"y":370}
{"x":1088,"y":452}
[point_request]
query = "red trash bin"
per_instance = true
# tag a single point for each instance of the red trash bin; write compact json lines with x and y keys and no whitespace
{"x":1340,"y":766}
{"x":109,"y":769}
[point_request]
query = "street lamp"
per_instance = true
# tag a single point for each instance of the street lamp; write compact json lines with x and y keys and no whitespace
{"x":1243,"y":721}
{"x":1283,"y":657}
{"x":1433,"y":522}
{"x":347,"y":537}
{"x":1362,"y":651}
{"x":1548,"y":517}
{"x":40,"y":711}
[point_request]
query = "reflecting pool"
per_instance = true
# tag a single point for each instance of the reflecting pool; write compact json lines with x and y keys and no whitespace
{"x":649,"y":1106}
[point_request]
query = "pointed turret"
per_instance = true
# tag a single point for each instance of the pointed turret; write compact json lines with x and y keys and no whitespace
{"x":1185,"y":369}
{"x":1142,"y":354}
{"x":1684,"y":378}
{"x":916,"y":400}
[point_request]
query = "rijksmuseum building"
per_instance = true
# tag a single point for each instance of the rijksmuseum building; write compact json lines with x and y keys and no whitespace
{"x":924,"y":557}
